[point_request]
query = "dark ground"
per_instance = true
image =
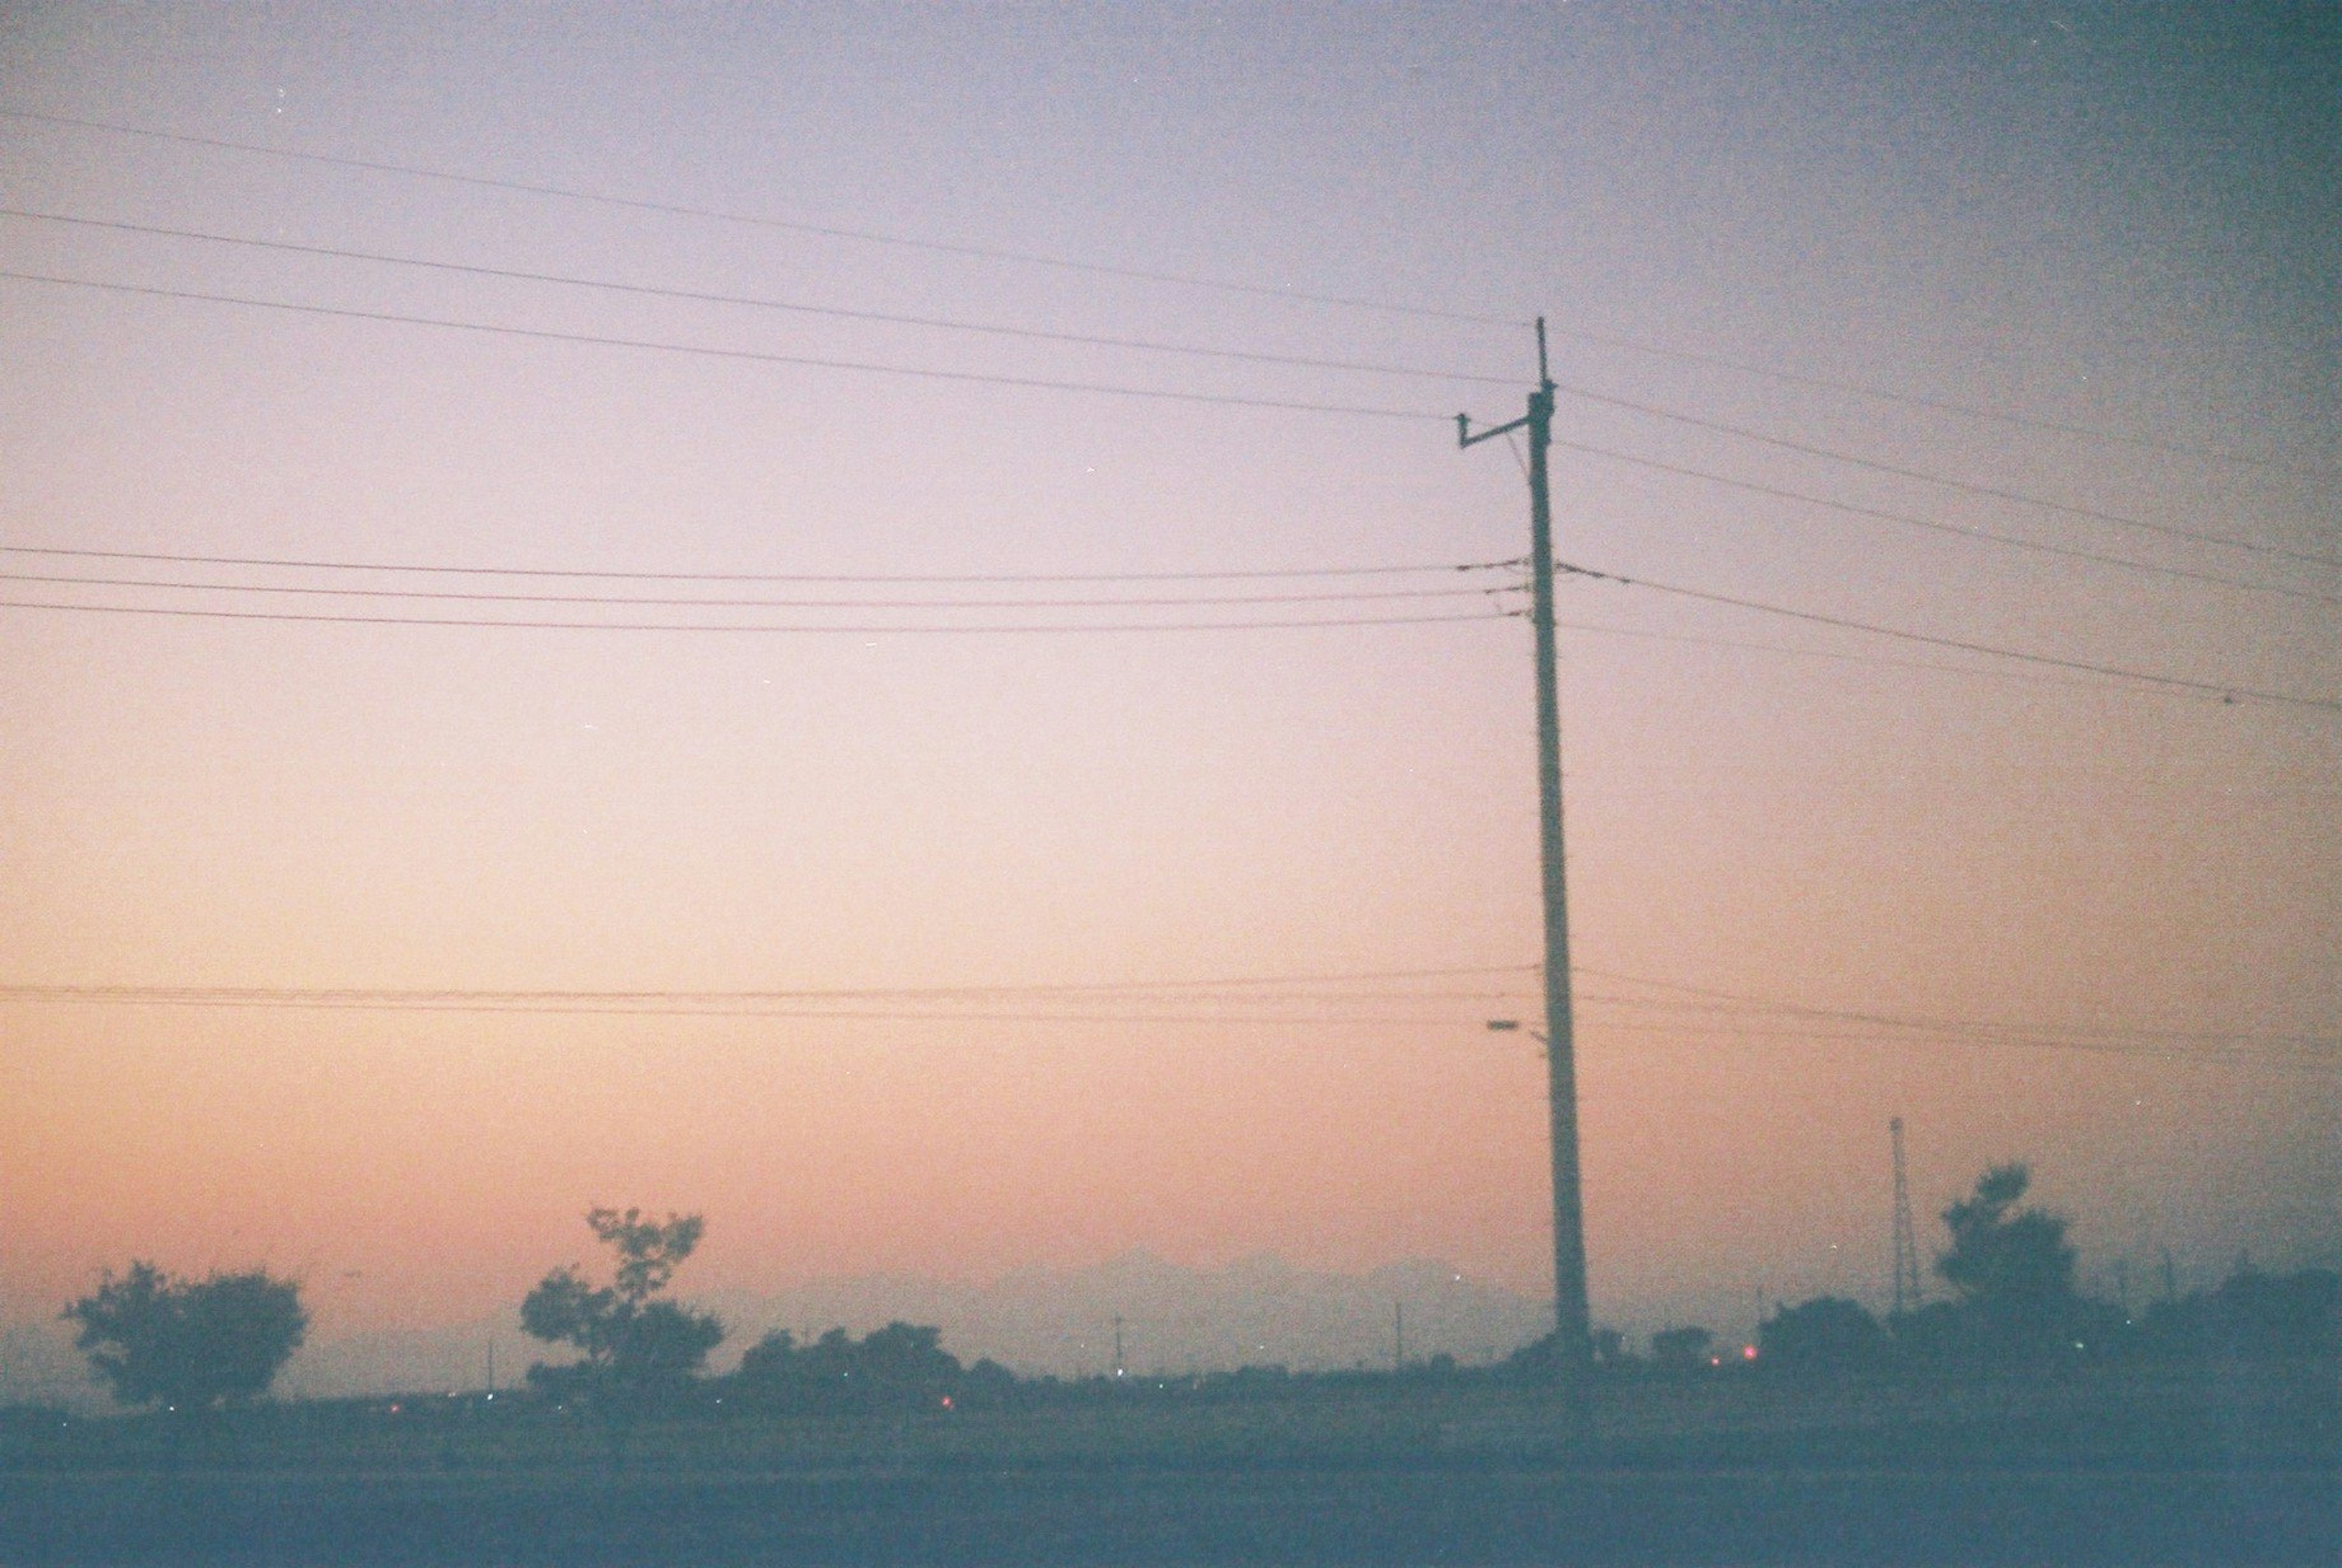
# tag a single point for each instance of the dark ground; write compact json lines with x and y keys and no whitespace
{"x":2099,"y":1470}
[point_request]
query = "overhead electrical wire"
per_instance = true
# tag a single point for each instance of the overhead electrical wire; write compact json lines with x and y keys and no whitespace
{"x":865,"y":237}
{"x":748,"y":355}
{"x":1289,"y":361}
{"x":466,"y":596}
{"x":940,"y":324}
{"x":2178,"y":683}
{"x":1288,"y":989}
{"x":1292,"y":361}
{"x":1838,"y":655}
{"x":1237,"y":400}
{"x":1713,"y":998}
{"x":1293,"y":1000}
{"x":1706,"y":1034}
{"x":1938,"y":525}
{"x":2217,"y":690}
{"x":1842,"y":655}
{"x":831,"y":993}
{"x":863,"y":629}
{"x":313,"y":564}
{"x":1966,"y":410}
{"x":1951,"y":407}
{"x":2207,"y":694}
{"x":1995,"y":491}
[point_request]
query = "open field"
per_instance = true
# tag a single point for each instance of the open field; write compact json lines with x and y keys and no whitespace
{"x":2103,"y":1469}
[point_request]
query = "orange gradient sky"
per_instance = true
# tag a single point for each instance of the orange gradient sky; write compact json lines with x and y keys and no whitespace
{"x":2080,"y":216}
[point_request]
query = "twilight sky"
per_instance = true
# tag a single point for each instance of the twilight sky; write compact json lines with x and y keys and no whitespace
{"x":1820,"y":877}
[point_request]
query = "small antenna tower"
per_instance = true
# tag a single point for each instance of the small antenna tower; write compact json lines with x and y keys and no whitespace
{"x":1906,"y":1240}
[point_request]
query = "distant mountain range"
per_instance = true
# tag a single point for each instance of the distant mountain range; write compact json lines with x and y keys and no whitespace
{"x":1259,"y":1311}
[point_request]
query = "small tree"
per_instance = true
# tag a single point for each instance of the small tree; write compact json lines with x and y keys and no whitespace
{"x":2011,"y":1266}
{"x":635,"y":1352}
{"x":157,"y":1339}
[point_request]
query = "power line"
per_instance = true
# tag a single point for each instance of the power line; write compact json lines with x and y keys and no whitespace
{"x":2020,"y":497}
{"x":894,"y":992}
{"x":1468,"y":1021}
{"x":1231,"y":400}
{"x":2204,"y":689}
{"x":1048,"y":1004}
{"x":2177,"y":682}
{"x":757,"y":356}
{"x":867,"y":236}
{"x":635,"y":601}
{"x":943,"y":323}
{"x":301,"y":563}
{"x":1841,"y":655}
{"x":1708,"y":1034}
{"x":866,"y":630}
{"x":311,"y":564}
{"x":2208,"y":689}
{"x":1694,"y":639}
{"x":1735,"y":1001}
{"x":1963,"y":410}
{"x":1938,"y":525}
{"x":1859,"y":389}
{"x":1984,"y":535}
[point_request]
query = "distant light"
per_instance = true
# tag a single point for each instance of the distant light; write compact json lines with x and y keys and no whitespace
{"x":946,"y":1402}
{"x":1748,"y":1352}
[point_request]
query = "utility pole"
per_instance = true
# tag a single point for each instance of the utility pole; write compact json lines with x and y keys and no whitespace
{"x":1573,"y":1321}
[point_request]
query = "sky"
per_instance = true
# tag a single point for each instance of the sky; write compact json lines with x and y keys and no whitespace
{"x":2060,"y":280}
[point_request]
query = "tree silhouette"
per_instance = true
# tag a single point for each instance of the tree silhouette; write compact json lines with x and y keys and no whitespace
{"x":2011,"y":1266}
{"x":189,"y":1344}
{"x":902,"y":1366}
{"x":1827,"y":1330}
{"x":635,"y":1353}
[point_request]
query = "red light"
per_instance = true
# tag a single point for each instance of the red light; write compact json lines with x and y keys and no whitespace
{"x":947,"y":1401}
{"x":1748,"y":1352}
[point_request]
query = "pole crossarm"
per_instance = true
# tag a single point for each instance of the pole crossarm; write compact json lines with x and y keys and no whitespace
{"x":1464,"y":437}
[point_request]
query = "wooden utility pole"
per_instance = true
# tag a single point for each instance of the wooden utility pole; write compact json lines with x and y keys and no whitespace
{"x":1573,"y":1322}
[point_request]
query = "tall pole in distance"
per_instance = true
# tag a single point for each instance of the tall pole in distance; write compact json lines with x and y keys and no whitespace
{"x":1907,"y":1239}
{"x":1573,"y":1324}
